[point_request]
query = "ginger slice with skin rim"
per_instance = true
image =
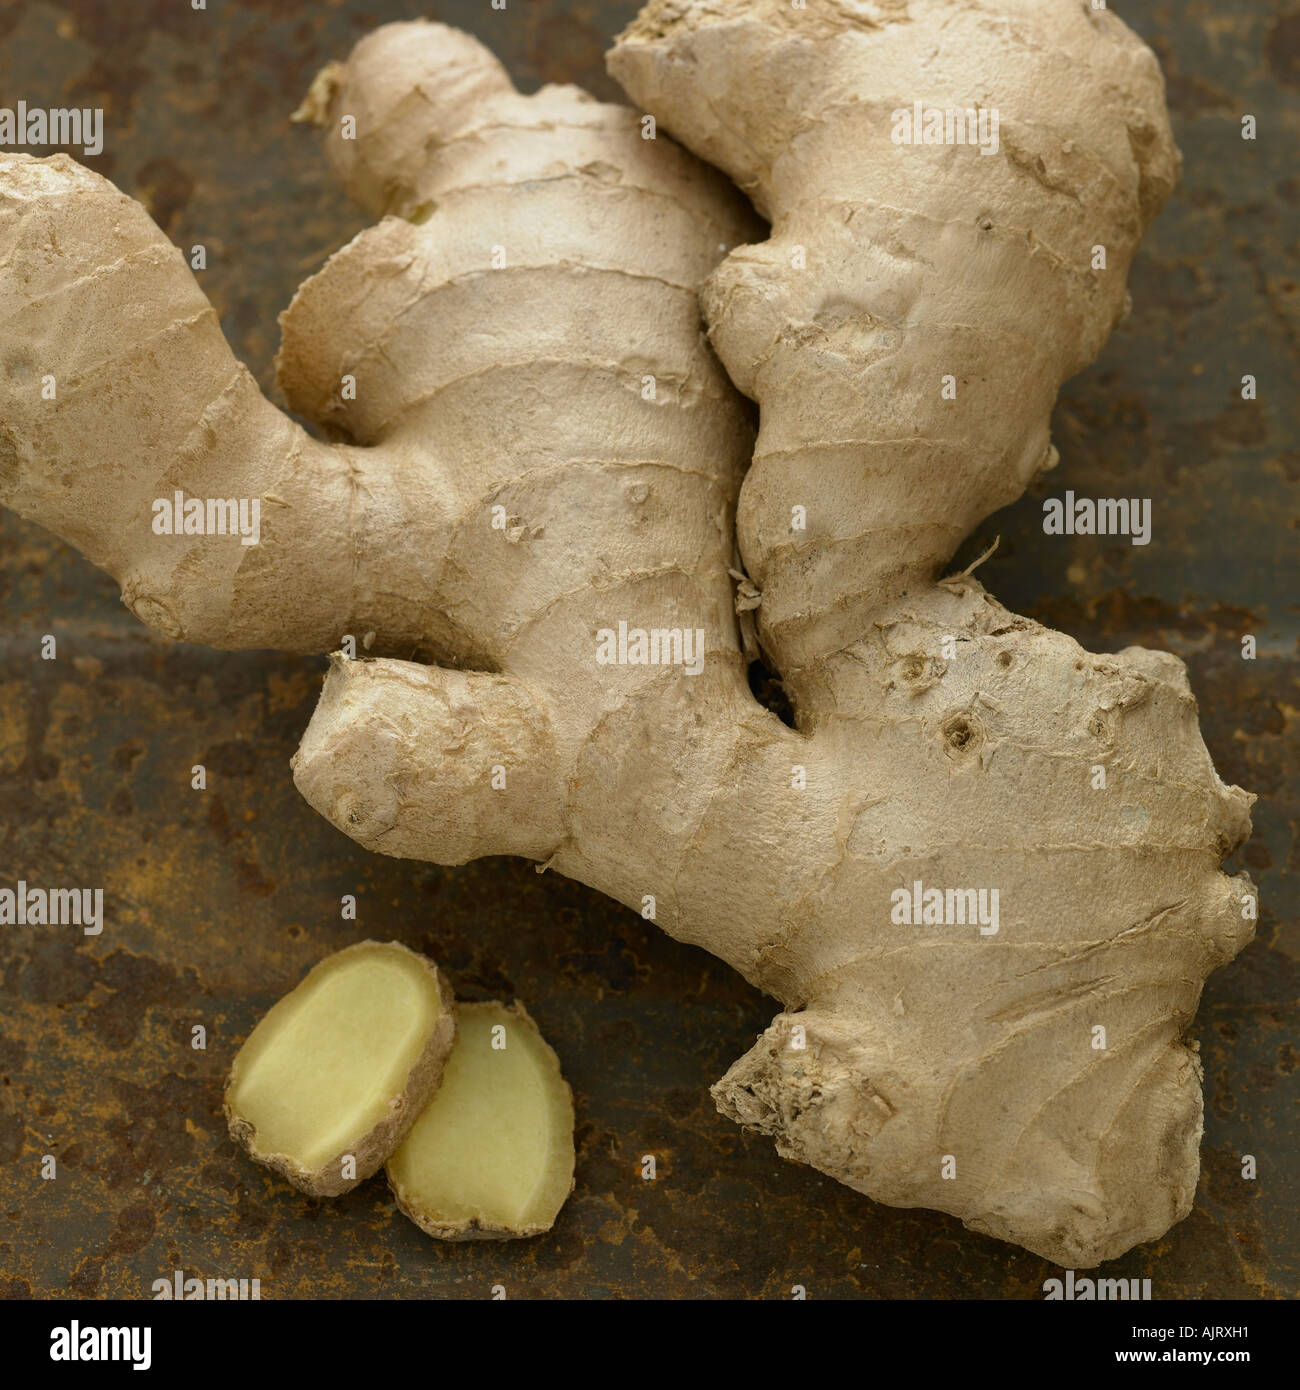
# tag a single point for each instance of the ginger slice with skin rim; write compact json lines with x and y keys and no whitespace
{"x":342,"y":1066}
{"x":492,"y":1155}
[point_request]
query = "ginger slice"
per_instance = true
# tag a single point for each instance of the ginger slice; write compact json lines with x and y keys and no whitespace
{"x":492,"y":1154}
{"x":330,"y":1081}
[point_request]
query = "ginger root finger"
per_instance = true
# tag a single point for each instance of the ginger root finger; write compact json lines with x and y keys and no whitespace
{"x":118,"y":391}
{"x":895,"y":266}
{"x":423,"y":763}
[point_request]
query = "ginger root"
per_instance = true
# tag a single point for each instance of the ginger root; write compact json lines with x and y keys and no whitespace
{"x":492,"y":1154}
{"x":539,"y":487}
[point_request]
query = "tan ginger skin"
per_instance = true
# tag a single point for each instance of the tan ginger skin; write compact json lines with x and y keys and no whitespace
{"x":923,"y":1065}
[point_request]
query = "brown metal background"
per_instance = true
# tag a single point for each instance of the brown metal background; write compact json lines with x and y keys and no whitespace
{"x":218,"y":902}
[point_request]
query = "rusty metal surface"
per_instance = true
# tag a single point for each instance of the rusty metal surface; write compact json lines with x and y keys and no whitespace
{"x":218,"y":901}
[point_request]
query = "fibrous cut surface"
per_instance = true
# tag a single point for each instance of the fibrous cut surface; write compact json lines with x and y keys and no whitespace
{"x":342,"y":1065}
{"x":492,"y":1154}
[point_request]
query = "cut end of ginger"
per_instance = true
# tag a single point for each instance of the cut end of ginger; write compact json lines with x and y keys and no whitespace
{"x":329,"y":1082}
{"x":492,"y":1154}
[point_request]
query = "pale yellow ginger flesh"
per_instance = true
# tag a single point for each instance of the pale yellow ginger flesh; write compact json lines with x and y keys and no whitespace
{"x":323,"y":1064}
{"x":492,"y":1154}
{"x":341,"y":1066}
